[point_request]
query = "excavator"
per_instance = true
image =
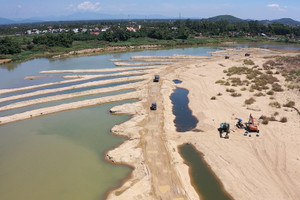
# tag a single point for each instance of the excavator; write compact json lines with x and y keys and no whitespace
{"x":251,"y":127}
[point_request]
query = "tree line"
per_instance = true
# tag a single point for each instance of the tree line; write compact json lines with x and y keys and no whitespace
{"x":160,"y":30}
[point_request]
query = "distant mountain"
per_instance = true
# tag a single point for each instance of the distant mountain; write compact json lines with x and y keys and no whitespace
{"x":284,"y":21}
{"x":79,"y":16}
{"x":6,"y":21}
{"x":229,"y":18}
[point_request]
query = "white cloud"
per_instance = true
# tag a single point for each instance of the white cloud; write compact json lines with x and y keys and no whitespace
{"x":277,"y":7}
{"x":85,"y":6}
{"x":89,"y":6}
{"x":274,"y":5}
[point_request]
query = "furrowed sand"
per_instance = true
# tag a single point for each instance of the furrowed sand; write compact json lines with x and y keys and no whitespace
{"x":264,"y":167}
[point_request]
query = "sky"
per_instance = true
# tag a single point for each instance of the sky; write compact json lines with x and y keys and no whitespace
{"x":245,"y":9}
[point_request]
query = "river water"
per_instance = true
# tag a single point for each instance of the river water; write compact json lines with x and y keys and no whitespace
{"x":61,"y":156}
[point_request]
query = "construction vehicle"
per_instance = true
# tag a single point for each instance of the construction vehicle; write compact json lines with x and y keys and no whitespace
{"x":156,"y":78}
{"x":153,"y":106}
{"x":251,"y":127}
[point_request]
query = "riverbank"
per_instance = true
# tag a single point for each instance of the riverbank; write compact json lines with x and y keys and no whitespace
{"x":264,"y":167}
{"x":83,"y":48}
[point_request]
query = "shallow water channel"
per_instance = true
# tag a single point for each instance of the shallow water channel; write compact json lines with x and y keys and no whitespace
{"x":204,"y":180}
{"x":184,"y":120}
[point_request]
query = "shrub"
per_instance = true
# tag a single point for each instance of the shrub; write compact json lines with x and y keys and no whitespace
{"x":269,"y":72}
{"x":236,"y":81}
{"x":259,"y":94}
{"x":235,"y":94}
{"x":248,"y":62}
{"x":265,"y":121}
{"x":213,"y":98}
{"x":271,"y":92}
{"x":276,"y":113}
{"x":231,"y":90}
{"x":275,"y":104}
{"x":276,"y":87}
{"x":243,"y":89}
{"x":221,"y":82}
{"x":219,"y":94}
{"x":249,"y":101}
{"x":289,"y":104}
{"x":283,"y":120}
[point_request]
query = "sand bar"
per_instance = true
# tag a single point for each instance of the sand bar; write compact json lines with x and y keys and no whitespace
{"x":76,"y":79}
{"x":83,"y":85}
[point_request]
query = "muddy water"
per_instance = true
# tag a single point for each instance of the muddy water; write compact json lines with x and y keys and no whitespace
{"x":204,"y":180}
{"x":60,"y":156}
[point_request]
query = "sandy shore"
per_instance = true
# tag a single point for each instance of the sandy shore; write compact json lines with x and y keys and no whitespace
{"x":265,"y":167}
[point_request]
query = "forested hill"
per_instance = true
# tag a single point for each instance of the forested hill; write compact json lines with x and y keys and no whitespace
{"x":234,"y":20}
{"x":229,"y":18}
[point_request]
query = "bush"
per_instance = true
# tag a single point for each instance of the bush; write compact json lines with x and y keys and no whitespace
{"x":213,"y":98}
{"x":231,"y":90}
{"x":289,"y":104}
{"x":276,"y":87}
{"x":249,"y":62}
{"x":243,"y":89}
{"x":259,"y":94}
{"x":9,"y":46}
{"x":283,"y":120}
{"x":249,"y":101}
{"x":235,"y":94}
{"x":275,"y":104}
{"x":219,"y":94}
{"x":271,"y":92}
